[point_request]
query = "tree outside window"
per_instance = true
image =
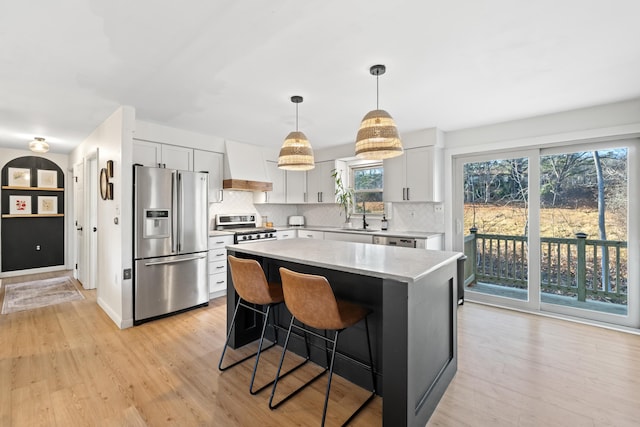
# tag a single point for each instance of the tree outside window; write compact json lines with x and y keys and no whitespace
{"x":368,"y":185}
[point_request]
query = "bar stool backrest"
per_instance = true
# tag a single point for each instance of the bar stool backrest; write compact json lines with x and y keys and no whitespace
{"x":249,"y":280}
{"x":310,"y":299}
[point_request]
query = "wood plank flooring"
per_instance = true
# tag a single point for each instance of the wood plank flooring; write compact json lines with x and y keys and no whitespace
{"x":69,"y":365}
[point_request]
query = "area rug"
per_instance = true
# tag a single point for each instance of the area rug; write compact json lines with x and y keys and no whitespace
{"x":39,"y":293}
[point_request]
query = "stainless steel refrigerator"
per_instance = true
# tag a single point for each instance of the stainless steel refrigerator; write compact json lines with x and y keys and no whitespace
{"x":170,"y":241}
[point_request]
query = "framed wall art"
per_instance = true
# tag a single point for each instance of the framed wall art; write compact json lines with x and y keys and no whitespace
{"x":19,"y":177}
{"x":20,"y":205}
{"x":47,"y":205}
{"x":47,"y":178}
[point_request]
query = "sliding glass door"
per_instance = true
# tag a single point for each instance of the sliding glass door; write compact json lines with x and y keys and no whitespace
{"x":496,"y":216}
{"x":547,"y":230}
{"x":583,"y":231}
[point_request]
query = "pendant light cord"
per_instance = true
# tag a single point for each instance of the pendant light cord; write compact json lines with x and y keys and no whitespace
{"x":377,"y":94}
{"x":296,"y":117}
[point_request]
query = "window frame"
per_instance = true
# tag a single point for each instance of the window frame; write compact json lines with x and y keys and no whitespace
{"x":353,"y":167}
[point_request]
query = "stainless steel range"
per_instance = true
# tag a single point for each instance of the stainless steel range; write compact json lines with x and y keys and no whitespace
{"x":244,"y":228}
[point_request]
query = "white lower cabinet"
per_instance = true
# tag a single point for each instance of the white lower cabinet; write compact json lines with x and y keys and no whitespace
{"x":287,"y":234}
{"x":218,"y":265}
{"x":348,"y":237}
{"x":310,"y":234}
{"x":433,"y":242}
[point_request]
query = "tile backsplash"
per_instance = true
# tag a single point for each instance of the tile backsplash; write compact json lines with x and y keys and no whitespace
{"x":404,"y":216}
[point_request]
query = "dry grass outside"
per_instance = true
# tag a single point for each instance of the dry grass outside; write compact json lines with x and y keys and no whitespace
{"x":558,"y":267}
{"x":557,"y":222}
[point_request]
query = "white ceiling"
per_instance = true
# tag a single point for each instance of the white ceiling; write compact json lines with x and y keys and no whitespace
{"x":228,"y":68}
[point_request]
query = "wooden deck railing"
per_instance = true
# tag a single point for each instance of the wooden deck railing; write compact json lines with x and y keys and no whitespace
{"x":568,"y":266}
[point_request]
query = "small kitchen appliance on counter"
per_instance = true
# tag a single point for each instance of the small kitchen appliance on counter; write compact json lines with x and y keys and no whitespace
{"x":296,"y":221}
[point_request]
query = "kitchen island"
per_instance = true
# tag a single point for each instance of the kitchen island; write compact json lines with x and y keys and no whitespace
{"x":412,"y":296}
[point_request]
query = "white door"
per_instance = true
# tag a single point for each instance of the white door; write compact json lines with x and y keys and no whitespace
{"x":78,"y":221}
{"x":91,"y":213}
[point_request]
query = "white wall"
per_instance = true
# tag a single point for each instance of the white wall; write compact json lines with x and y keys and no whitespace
{"x":62,"y":160}
{"x":113,"y":141}
{"x":167,"y":135}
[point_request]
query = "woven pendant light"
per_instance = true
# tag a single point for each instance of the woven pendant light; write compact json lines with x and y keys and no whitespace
{"x":378,"y":135}
{"x":296,"y":153}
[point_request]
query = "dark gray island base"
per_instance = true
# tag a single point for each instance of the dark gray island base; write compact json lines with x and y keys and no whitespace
{"x":412,"y":296}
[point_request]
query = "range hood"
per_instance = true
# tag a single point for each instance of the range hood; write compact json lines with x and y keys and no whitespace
{"x":245,"y":168}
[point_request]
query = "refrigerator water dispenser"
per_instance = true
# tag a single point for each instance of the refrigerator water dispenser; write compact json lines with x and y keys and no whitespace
{"x":156,"y":224}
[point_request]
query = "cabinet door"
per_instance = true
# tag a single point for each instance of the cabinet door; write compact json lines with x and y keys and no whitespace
{"x":296,"y":186}
{"x":146,"y":153}
{"x":418,"y":167}
{"x":174,"y":157}
{"x":395,"y":179}
{"x":208,"y":161}
{"x":320,"y":183}
{"x":277,"y":177}
{"x":423,"y":172}
{"x":348,"y":237}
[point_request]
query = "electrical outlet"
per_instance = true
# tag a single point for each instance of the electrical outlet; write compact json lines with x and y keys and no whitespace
{"x":438,"y":208}
{"x":126,"y":274}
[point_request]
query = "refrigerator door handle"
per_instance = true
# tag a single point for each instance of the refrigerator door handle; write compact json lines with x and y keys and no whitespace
{"x":173,"y":261}
{"x":180,"y":212}
{"x":174,"y":215}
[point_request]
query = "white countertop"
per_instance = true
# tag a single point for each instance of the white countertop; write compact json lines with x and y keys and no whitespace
{"x":373,"y":232}
{"x":213,"y":233}
{"x":386,"y":262}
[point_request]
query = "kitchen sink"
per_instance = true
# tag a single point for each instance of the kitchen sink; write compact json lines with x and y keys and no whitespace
{"x":369,"y":230}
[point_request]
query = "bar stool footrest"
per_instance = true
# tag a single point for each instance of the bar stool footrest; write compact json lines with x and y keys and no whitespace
{"x":299,"y":389}
{"x":237,"y":362}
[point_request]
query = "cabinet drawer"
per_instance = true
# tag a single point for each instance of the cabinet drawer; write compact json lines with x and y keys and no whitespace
{"x":310,"y":234}
{"x":216,"y":242}
{"x":217,"y":282}
{"x":217,"y":254}
{"x":289,"y":234}
{"x":218,"y":267}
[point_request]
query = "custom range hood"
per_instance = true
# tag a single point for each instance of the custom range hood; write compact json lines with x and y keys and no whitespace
{"x":245,"y":168}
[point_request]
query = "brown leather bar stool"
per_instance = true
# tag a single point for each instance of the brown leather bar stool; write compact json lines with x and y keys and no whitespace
{"x":252,"y":287}
{"x":312,"y":302}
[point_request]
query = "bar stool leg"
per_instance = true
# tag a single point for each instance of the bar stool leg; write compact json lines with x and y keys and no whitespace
{"x":224,"y":349}
{"x":326,"y":395}
{"x":280,"y":376}
{"x":255,"y":366}
{"x":275,"y":381}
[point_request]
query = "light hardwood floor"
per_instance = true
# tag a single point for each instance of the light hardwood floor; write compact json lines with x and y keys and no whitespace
{"x":68,"y":365}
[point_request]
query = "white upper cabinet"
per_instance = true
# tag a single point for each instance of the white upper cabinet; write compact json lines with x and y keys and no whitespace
{"x":174,"y":157}
{"x":153,"y":154}
{"x":320,"y":183}
{"x":296,"y":186}
{"x":146,"y":153}
{"x":277,"y":177}
{"x":209,"y":161}
{"x":416,"y":176}
{"x":288,"y":186}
